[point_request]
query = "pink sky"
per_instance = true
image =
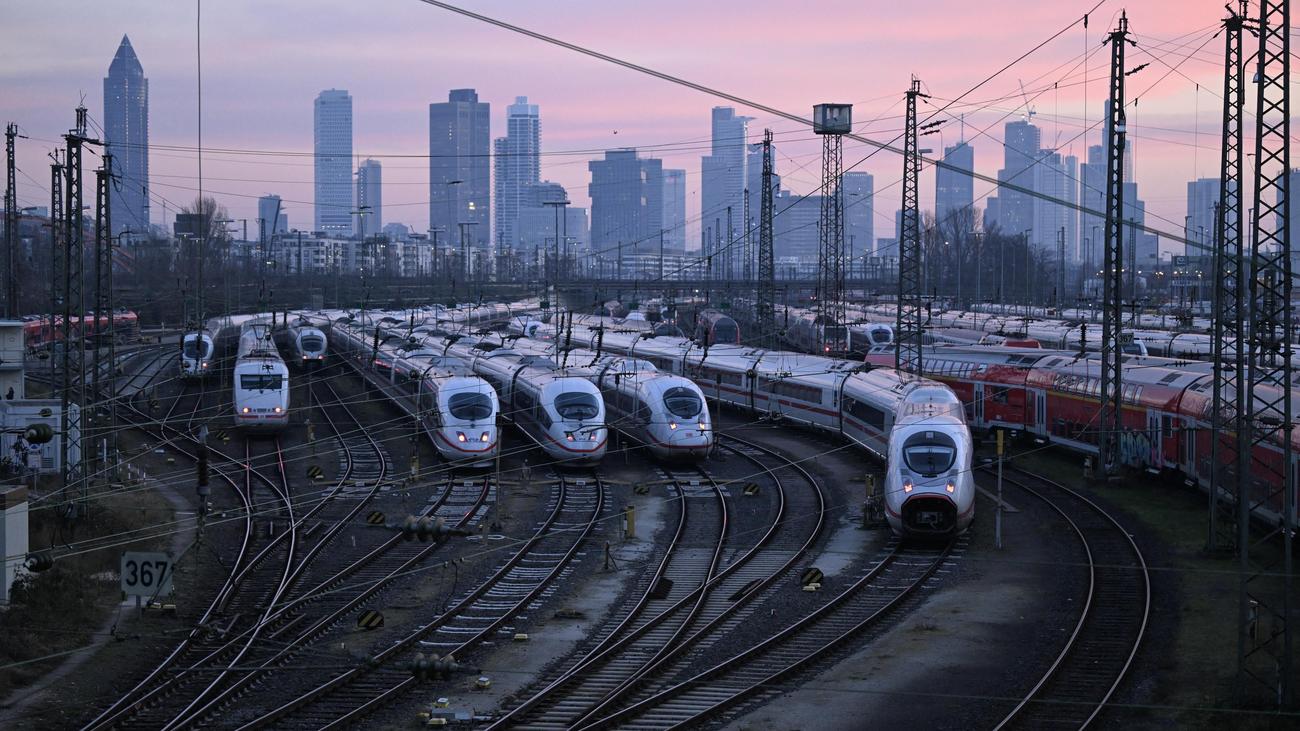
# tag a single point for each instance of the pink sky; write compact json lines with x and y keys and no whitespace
{"x":263,"y":63}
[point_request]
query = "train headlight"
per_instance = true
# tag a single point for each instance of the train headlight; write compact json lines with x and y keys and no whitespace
{"x":591,"y":436}
{"x":483,"y":437}
{"x":569,"y":436}
{"x":278,"y":410}
{"x":205,"y":364}
{"x":951,"y":486}
{"x":460,"y":437}
{"x":703,"y":426}
{"x":672,"y":425}
{"x":247,"y":410}
{"x":907,"y":485}
{"x":304,"y":357}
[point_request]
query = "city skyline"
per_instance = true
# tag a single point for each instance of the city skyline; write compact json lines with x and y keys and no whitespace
{"x":674,"y":128}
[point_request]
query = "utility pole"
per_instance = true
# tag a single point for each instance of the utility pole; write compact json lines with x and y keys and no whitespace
{"x":766,"y":295}
{"x":1264,"y":640}
{"x":747,"y":266}
{"x":1112,"y":390}
{"x":74,"y":305}
{"x":1060,"y":274}
{"x":57,"y":382}
{"x":11,"y":224}
{"x":103,"y":313}
{"x":832,"y":122}
{"x":1229,"y":439}
{"x":907,"y":357}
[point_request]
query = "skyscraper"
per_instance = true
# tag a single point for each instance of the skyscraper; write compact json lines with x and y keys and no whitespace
{"x":459,"y":171}
{"x":1055,"y":176}
{"x":1020,"y":150}
{"x":723,"y":172}
{"x":370,"y":180}
{"x":126,"y":136}
{"x":859,"y":228}
{"x":1202,"y":198}
{"x":271,"y":216}
{"x":518,"y":164}
{"x":626,"y":202}
{"x":954,"y":190}
{"x":333,"y":128}
{"x":674,"y":223}
{"x":1092,"y":196}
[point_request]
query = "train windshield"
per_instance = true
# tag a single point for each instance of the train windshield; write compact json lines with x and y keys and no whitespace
{"x":261,"y":381}
{"x":683,"y":402}
{"x":575,"y":405}
{"x":724,"y":331}
{"x":470,"y":406}
{"x":929,"y":454}
{"x":192,"y":350}
{"x":313,"y":343}
{"x":880,"y":336}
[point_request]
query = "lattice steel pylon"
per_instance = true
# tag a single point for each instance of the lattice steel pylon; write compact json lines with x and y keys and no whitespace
{"x":1264,"y":640}
{"x":56,"y":271}
{"x":907,"y":357}
{"x":11,"y":224}
{"x":1112,"y":387}
{"x":765,"y":299}
{"x":75,"y":389}
{"x":1228,"y":440}
{"x":103,"y":364}
{"x":832,"y":122}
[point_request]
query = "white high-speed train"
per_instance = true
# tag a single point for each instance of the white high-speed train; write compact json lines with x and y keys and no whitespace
{"x":198,"y":350}
{"x":564,"y":414}
{"x":307,"y":344}
{"x":261,"y":380}
{"x":916,"y":425}
{"x":665,"y":412}
{"x":457,"y":408}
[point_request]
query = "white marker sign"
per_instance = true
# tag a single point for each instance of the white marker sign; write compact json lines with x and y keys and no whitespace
{"x":146,"y":574}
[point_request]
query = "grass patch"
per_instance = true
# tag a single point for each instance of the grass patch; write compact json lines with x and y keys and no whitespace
{"x":61,"y":609}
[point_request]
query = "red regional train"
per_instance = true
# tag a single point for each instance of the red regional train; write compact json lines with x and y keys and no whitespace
{"x":1055,"y":396}
{"x":39,"y":331}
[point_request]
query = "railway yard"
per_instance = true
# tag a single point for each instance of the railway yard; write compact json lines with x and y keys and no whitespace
{"x":345,"y":573}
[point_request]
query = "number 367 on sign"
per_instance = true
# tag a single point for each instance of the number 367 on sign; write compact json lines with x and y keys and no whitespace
{"x":146,"y":574}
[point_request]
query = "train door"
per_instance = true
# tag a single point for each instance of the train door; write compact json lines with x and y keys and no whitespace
{"x":978,"y":401}
{"x":1040,"y":411}
{"x":1155,"y":440}
{"x":1187,"y":440}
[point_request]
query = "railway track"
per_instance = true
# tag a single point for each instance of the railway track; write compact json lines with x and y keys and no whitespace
{"x":289,"y":625}
{"x":639,"y":654}
{"x":762,"y":575}
{"x":667,"y":603}
{"x":1112,"y":622}
{"x":762,"y":669}
{"x":480,"y":614}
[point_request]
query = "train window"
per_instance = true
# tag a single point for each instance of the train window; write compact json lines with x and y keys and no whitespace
{"x":929,"y":453}
{"x":523,"y":400}
{"x":999,"y":394}
{"x":682,"y":402}
{"x":472,"y":406}
{"x":574,"y":405}
{"x":542,"y":417}
{"x":260,"y":381}
{"x":869,"y":415}
{"x":642,"y":415}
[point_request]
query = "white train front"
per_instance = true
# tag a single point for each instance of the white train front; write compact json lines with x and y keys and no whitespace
{"x":197,"y":353}
{"x":261,"y":381}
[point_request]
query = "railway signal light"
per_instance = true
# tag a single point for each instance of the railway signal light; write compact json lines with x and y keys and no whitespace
{"x":433,"y":667}
{"x":38,"y":433}
{"x":428,"y":529}
{"x":37,"y":562}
